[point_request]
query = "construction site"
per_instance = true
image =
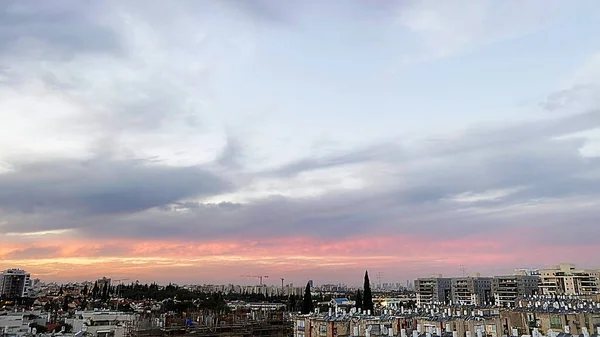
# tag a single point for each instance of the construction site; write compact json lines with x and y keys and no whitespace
{"x":200,"y":324}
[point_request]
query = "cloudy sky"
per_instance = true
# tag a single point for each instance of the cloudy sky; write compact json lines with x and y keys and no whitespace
{"x":197,"y":141}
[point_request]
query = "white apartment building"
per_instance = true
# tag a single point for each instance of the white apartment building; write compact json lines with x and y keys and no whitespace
{"x":16,"y":324}
{"x":102,"y":323}
{"x":15,"y":283}
{"x":566,"y":279}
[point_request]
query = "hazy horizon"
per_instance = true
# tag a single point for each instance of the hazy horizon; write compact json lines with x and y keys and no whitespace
{"x":203,"y":140}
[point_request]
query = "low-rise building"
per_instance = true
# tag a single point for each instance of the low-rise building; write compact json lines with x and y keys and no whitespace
{"x":102,"y":323}
{"x":17,"y":324}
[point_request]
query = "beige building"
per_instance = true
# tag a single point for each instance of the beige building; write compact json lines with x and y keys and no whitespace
{"x":565,"y":279}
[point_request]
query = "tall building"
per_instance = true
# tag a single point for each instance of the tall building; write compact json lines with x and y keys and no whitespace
{"x":15,"y":283}
{"x":565,"y":279}
{"x":433,"y":289}
{"x":507,"y":289}
{"x":472,"y":290}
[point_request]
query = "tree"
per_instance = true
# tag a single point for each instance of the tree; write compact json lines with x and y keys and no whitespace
{"x":84,"y":292}
{"x":359,"y":300}
{"x":307,"y":303}
{"x":292,"y":303}
{"x":368,"y":297}
{"x":66,"y":302}
{"x":95,"y":290}
{"x":105,"y":292}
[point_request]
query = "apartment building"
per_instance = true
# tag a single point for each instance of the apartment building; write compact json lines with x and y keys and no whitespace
{"x":472,"y":290}
{"x":566,"y":279}
{"x":433,"y":289}
{"x":15,"y":283}
{"x":507,"y":289}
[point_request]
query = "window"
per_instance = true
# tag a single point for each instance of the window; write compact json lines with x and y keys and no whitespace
{"x":555,"y":322}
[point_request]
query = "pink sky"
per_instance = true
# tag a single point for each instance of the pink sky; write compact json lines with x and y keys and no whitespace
{"x":296,"y":260}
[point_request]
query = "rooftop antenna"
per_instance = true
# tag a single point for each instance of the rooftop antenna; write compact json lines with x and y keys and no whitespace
{"x":463,"y":270}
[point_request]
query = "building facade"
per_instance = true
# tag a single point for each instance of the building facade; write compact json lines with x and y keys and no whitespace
{"x":15,"y":283}
{"x":433,"y":289}
{"x":472,"y":290}
{"x":566,"y":279}
{"x":507,"y":289}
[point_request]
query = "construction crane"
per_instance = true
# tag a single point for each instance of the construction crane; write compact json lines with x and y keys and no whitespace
{"x":259,"y":277}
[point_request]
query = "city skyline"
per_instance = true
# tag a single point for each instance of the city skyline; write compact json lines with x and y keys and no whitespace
{"x":305,"y":140}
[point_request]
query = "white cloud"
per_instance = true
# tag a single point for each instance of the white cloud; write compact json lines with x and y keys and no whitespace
{"x":450,"y":27}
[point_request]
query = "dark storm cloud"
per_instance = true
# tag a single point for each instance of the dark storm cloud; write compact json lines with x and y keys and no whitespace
{"x":101,"y":186}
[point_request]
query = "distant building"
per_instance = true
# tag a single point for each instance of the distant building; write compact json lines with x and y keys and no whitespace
{"x":103,"y":281}
{"x":565,"y":279}
{"x":310,"y":283}
{"x":507,"y":289}
{"x":433,"y":289}
{"x":15,"y":283}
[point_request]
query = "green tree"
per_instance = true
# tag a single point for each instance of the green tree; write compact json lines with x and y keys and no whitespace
{"x":105,"y":292}
{"x":368,"y":297}
{"x":307,"y":303}
{"x":359,"y":300}
{"x":95,"y":290}
{"x":84,"y":292}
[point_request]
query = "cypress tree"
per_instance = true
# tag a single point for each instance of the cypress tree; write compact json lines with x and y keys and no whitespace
{"x":368,"y":297}
{"x":105,"y":292}
{"x":307,"y":303}
{"x":95,"y":290}
{"x":359,"y":300}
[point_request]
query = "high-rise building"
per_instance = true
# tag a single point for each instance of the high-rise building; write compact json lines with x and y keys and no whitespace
{"x":15,"y":283}
{"x":565,"y":279}
{"x":472,"y":290}
{"x":433,"y":289}
{"x":507,"y":289}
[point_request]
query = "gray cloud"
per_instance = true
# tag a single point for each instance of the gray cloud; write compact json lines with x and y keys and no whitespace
{"x":567,"y":97}
{"x":418,"y":200}
{"x":102,"y":186}
{"x":62,"y":27}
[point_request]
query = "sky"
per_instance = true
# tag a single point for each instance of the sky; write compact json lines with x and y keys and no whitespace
{"x":201,"y":141}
